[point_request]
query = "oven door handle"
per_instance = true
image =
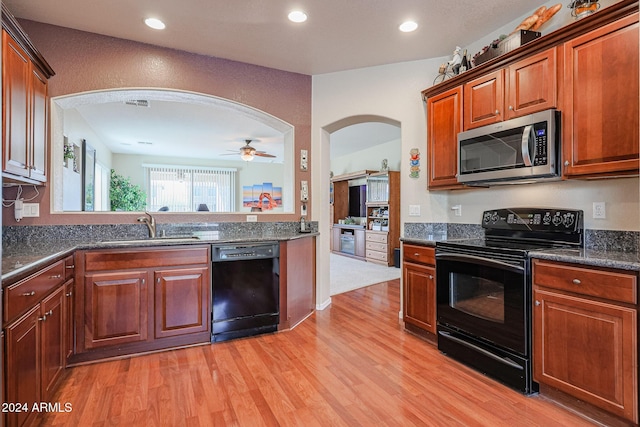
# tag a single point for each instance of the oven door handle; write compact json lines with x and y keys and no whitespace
{"x":481,"y":261}
{"x":503,"y":360}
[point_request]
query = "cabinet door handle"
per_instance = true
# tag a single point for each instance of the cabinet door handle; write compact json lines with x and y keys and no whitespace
{"x":68,"y":294}
{"x":430,"y":277}
{"x":29,"y":294}
{"x":49,"y":313}
{"x":576,"y":281}
{"x":416,"y":254}
{"x":42,"y":318}
{"x":537,"y":302}
{"x":70,"y":267}
{"x":55,"y":276}
{"x":158,"y":280}
{"x":143,"y":281}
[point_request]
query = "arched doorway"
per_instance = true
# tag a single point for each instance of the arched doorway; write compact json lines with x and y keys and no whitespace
{"x":353,"y":144}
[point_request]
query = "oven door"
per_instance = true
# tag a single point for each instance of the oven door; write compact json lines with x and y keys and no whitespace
{"x":483,"y":297}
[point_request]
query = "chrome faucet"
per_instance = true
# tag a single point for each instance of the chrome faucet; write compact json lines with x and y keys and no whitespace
{"x":151,"y":224}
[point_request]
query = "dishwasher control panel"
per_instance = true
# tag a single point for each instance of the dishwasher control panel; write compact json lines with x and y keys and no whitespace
{"x":231,"y":252}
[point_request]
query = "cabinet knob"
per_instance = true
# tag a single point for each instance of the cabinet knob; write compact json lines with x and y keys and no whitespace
{"x":49,"y":313}
{"x":55,"y":276}
{"x":68,"y":294}
{"x":42,"y":318}
{"x":158,"y":280}
{"x":70,"y":267}
{"x":510,"y":107}
{"x":566,"y":162}
{"x":430,"y":277}
{"x":537,"y":302}
{"x":29,"y":294}
{"x":576,"y":281}
{"x":416,"y":254}
{"x":497,"y":112}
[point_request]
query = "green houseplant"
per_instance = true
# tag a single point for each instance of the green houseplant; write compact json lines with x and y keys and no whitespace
{"x":124,"y":195}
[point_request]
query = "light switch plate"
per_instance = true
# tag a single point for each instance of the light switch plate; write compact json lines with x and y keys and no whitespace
{"x":31,"y":210}
{"x":304,"y":160}
{"x":414,"y":210}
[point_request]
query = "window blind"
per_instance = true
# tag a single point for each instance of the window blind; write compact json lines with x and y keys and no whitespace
{"x":189,"y":189}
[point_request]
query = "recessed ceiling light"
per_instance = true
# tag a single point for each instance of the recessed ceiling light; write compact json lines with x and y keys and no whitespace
{"x":297,"y":16}
{"x":154,"y":23}
{"x":408,"y":26}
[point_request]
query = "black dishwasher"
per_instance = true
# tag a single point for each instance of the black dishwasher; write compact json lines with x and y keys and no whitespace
{"x":246,"y":286}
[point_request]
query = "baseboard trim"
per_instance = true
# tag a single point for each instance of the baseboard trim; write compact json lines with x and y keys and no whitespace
{"x":324,"y":305}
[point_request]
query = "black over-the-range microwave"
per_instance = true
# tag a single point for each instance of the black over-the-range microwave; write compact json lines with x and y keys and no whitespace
{"x":517,"y":150}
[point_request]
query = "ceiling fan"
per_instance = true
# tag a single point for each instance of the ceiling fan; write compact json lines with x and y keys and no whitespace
{"x":247,"y":152}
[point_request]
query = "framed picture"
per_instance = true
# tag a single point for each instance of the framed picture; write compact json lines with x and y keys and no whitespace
{"x":88,"y":177}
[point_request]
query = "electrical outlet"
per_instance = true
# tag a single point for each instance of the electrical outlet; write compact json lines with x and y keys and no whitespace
{"x":304,"y":191}
{"x":414,"y":210}
{"x":30,"y":210}
{"x":303,"y":210}
{"x":457,"y":209}
{"x":252,"y":218}
{"x":599,"y":210}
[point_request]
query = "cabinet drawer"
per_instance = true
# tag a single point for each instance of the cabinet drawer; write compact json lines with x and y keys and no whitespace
{"x":116,"y":259}
{"x":420,"y":254}
{"x":375,"y":246}
{"x":380,"y":256}
{"x":69,"y":267}
{"x":376,"y":237}
{"x":24,"y":294}
{"x":611,"y":285}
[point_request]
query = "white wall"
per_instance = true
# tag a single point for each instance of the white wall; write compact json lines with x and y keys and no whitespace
{"x":369,"y":159}
{"x":394,"y":91}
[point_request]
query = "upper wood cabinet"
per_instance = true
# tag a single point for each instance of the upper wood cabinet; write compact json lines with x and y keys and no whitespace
{"x":24,"y":101}
{"x":444,"y":122}
{"x":600,"y":108}
{"x":525,"y":87}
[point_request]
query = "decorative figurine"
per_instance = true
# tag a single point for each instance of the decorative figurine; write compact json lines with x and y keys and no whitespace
{"x":455,"y":62}
{"x":385,"y":166}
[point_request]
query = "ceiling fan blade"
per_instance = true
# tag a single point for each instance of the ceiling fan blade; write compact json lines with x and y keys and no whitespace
{"x":263,"y":154}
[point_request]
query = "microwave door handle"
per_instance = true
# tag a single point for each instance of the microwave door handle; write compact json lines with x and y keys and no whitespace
{"x":527,"y":137}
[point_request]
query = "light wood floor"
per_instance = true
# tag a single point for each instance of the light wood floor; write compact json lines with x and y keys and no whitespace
{"x":349,"y":365}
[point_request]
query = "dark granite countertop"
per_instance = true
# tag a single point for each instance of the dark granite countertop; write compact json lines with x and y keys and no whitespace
{"x":26,"y":257}
{"x":590,"y":257}
{"x":427,"y":240}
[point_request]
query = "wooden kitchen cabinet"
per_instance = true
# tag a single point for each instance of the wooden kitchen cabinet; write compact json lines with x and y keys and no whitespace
{"x":24,"y":101}
{"x":23,"y":365}
{"x":600,"y":108}
{"x":297,"y":281}
{"x":35,"y":339}
{"x":444,"y":122}
{"x":116,"y":308}
{"x":585,"y":334}
{"x":141,"y":299}
{"x":181,"y":297}
{"x":524,"y":87}
{"x":419,"y":287}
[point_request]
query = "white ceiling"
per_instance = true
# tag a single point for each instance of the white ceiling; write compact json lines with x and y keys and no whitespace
{"x":339,"y":35}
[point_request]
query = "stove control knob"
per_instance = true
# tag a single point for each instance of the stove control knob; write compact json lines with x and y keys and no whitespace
{"x":557,"y":220}
{"x":546,"y":219}
{"x":569,"y":218}
{"x":494,"y":217}
{"x":487,"y":217}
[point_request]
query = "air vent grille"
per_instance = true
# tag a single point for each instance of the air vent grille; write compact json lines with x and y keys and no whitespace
{"x":138,"y":102}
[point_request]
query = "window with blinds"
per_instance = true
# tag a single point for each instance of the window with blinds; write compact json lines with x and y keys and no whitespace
{"x":190,"y":189}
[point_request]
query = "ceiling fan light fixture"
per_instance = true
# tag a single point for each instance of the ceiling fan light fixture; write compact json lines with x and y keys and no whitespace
{"x":247,"y":153}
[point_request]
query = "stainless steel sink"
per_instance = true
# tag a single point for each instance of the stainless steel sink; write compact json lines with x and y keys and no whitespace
{"x":152,"y":240}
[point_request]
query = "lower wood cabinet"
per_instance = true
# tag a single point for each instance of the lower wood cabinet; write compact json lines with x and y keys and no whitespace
{"x":116,"y":308}
{"x":181,"y":297}
{"x":142,"y":299}
{"x":297,"y":281}
{"x":585,"y":334}
{"x":34,"y":355}
{"x":419,"y":287}
{"x":35,"y":330}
